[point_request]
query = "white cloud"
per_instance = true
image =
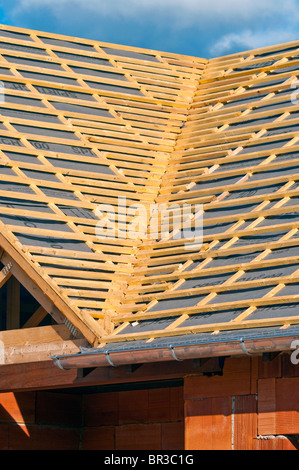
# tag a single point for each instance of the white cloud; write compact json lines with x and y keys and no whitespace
{"x":249,"y":39}
{"x":206,"y":28}
{"x":187,"y":10}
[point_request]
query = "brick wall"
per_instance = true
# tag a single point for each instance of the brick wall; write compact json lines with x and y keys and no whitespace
{"x":254,"y":405}
{"x":138,"y":420}
{"x":39,"y":421}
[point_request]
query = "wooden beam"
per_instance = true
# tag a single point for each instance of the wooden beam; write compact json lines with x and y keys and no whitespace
{"x":36,"y":318}
{"x":33,"y":288}
{"x":45,"y":375}
{"x":5,"y":273}
{"x":38,"y":344}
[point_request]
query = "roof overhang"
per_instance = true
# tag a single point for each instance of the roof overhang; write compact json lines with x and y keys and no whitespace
{"x":115,"y":358}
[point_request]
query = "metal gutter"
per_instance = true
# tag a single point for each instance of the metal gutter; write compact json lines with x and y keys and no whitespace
{"x":240,"y":347}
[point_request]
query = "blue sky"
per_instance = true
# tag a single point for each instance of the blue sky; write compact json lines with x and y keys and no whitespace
{"x":202,"y":28}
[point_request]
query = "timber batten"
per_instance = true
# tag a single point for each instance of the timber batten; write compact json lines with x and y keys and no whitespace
{"x":155,"y":341}
{"x":85,"y":123}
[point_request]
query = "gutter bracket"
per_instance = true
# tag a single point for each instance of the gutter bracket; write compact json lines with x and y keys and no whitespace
{"x":244,"y":349}
{"x":58,"y":363}
{"x":174,"y":354}
{"x":107,"y":354}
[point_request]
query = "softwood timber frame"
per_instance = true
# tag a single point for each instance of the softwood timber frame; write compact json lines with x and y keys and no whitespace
{"x":85,"y":123}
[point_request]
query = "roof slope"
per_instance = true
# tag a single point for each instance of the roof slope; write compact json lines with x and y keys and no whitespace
{"x":88,"y":123}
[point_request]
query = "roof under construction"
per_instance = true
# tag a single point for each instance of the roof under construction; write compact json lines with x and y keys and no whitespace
{"x":86,"y":125}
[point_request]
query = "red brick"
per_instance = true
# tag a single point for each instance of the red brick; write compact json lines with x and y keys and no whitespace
{"x":287,"y":406}
{"x":101,"y":409}
{"x":159,"y":405}
{"x":42,"y":438}
{"x":138,"y":437}
{"x":245,"y":423}
{"x":133,"y":406}
{"x":17,"y":407}
{"x":102,"y":438}
{"x":278,"y":406}
{"x":58,"y":409}
{"x":4,"y":436}
{"x":236,"y":380}
{"x":177,"y":412}
{"x":277,"y":443}
{"x":289,"y":369}
{"x":173,"y":436}
{"x":266,"y":407}
{"x":269,"y":369}
{"x":208,"y":424}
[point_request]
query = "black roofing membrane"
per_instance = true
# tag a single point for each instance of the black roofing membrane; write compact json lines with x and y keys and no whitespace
{"x":270,"y":272}
{"x":79,"y":166}
{"x":29,"y":115}
{"x":78,"y":212}
{"x":60,"y":134}
{"x":261,"y":147}
{"x":25,"y":49}
{"x":285,"y":252}
{"x":33,"y":222}
{"x":114,"y":88}
{"x":64,"y":93}
{"x":276,"y":172}
{"x":280,"y":219}
{"x":131,"y":54}
{"x":221,"y":316}
{"x":15,"y":187}
{"x":11,"y":141}
{"x":84,"y":58}
{"x":53,"y":242}
{"x":214,"y":229}
{"x":204,"y":281}
{"x":196,"y":339}
{"x":239,"y":258}
{"x":216,"y":182}
{"x":5,"y":71}
{"x":65,"y":43}
{"x":179,"y":302}
{"x":240,"y":294}
{"x":234,"y":210}
{"x":256,"y":239}
{"x":33,"y":62}
{"x":98,"y":73}
{"x":15,"y":35}
{"x":25,"y":205}
{"x":49,"y":78}
{"x":239,"y":164}
{"x":75,"y":108}
{"x":250,"y":192}
{"x":10,"y":85}
{"x":22,"y":100}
